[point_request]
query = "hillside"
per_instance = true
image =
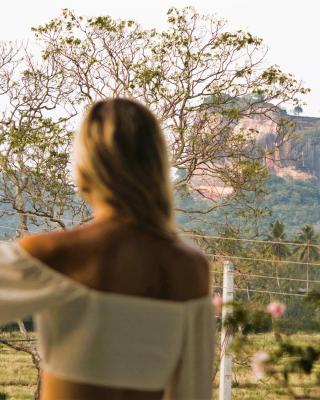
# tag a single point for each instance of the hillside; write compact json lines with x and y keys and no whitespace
{"x":293,"y":188}
{"x":294,"y":202}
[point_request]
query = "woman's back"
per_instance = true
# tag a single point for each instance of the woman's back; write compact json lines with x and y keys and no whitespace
{"x":119,"y":258}
{"x":122,"y":258}
{"x":156,"y":299}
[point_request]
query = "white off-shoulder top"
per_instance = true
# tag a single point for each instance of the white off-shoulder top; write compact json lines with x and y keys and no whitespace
{"x":116,"y":340}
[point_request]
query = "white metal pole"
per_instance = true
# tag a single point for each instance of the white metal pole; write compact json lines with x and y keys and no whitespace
{"x":226,"y":357}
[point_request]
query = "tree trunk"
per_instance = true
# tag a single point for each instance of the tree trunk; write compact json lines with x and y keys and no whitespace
{"x":22,"y":328}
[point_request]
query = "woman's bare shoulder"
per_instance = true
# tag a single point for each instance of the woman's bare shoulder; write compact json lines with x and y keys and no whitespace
{"x":183,"y":268}
{"x":45,"y":245}
{"x":188,"y":270}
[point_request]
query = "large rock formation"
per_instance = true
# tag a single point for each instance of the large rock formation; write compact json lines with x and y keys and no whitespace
{"x":297,"y":157}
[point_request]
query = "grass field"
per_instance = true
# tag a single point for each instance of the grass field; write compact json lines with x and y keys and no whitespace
{"x":245,"y":386}
{"x":17,"y":373}
{"x":18,"y":376}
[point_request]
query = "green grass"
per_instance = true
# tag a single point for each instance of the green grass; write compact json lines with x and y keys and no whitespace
{"x":245,"y":386}
{"x":18,"y":375}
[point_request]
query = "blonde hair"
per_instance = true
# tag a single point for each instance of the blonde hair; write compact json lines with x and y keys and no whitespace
{"x":121,"y":157}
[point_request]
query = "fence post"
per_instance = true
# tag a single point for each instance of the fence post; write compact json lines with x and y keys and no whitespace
{"x":308,"y":277}
{"x":225,"y":384}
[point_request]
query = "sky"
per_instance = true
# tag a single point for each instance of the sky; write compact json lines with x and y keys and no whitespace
{"x":290,"y":28}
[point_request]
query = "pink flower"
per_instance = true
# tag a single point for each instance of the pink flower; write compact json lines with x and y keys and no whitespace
{"x":276,"y":309}
{"x":217,"y":302}
{"x":258,"y":364}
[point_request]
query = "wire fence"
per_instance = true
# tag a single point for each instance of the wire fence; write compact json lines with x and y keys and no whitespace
{"x":259,"y":272}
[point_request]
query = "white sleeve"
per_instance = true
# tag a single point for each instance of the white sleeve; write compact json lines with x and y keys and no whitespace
{"x":27,"y":286}
{"x":194,"y":375}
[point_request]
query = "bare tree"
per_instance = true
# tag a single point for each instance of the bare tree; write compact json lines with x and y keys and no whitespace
{"x":36,"y":146}
{"x":201,"y":80}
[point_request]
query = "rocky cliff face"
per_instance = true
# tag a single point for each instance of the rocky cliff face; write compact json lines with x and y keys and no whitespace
{"x":299,"y":156}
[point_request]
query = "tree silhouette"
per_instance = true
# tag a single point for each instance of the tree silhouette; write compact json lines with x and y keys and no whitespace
{"x":307,"y":252}
{"x":278,"y":249}
{"x":297,"y":110}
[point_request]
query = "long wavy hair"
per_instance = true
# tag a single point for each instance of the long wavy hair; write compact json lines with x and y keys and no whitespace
{"x":121,"y":158}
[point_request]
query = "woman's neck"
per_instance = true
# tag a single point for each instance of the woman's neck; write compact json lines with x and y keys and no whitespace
{"x":105,"y":213}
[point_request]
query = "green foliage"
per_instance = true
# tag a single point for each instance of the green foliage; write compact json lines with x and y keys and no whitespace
{"x":294,"y":202}
{"x":246,"y":320}
{"x":277,"y":234}
{"x":314,"y":299}
{"x":307,"y":252}
{"x":35,"y":159}
{"x":285,"y":358}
